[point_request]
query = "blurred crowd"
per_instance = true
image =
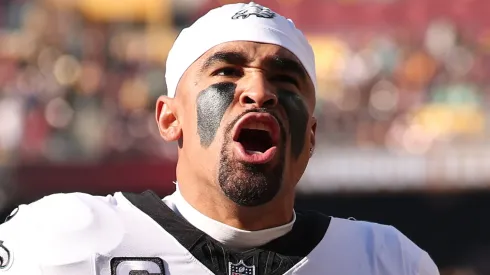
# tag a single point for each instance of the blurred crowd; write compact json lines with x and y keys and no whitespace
{"x":403,"y":91}
{"x":77,"y":85}
{"x":78,"y":89}
{"x":79,"y":80}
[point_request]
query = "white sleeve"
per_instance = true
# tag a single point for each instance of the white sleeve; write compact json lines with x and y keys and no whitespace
{"x":14,"y":259}
{"x":420,"y":263}
{"x":427,"y":265}
{"x":59,"y":235}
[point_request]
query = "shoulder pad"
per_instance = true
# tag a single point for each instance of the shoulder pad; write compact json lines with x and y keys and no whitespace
{"x":393,"y":251}
{"x":417,"y":260}
{"x":62,"y":229}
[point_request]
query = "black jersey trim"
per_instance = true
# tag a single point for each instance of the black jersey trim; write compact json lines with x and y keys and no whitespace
{"x":274,"y":258}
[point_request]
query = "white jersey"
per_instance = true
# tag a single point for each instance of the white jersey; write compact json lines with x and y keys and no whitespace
{"x":138,"y":234}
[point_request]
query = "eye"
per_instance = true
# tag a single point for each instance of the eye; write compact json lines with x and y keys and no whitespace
{"x":286,"y":79}
{"x":228,"y":71}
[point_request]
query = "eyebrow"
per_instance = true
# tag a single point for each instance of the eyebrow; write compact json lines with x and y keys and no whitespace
{"x":284,"y":64}
{"x":272,"y":63}
{"x":228,"y":57}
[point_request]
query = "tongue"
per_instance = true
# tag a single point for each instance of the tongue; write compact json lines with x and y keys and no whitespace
{"x":252,"y":147}
{"x":255,"y":141}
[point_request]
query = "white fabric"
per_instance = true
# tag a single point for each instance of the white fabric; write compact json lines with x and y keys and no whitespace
{"x":232,"y":237}
{"x":218,"y":26}
{"x":79,"y":234}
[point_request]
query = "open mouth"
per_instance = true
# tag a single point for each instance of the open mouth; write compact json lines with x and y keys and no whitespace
{"x":256,"y":136}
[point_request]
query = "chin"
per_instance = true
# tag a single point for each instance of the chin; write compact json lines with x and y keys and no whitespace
{"x":249,"y":184}
{"x":252,"y":159}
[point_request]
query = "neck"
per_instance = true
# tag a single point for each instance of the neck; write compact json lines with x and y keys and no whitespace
{"x":208,"y":199}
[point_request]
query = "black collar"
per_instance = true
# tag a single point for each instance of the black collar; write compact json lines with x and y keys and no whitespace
{"x":275,"y":257}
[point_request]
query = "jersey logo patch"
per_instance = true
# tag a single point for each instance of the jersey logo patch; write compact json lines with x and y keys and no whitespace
{"x":5,"y":257}
{"x":137,"y":266}
{"x":240,"y":269}
{"x":256,"y":10}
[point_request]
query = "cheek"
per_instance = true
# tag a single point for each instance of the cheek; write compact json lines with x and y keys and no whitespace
{"x":189,"y":127}
{"x":211,"y":105}
{"x":298,"y":120}
{"x":295,"y":167}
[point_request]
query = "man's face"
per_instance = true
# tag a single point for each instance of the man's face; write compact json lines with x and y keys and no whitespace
{"x":245,"y":112}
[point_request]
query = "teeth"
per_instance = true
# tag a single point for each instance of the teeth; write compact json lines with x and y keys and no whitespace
{"x":257,"y":126}
{"x":250,"y":152}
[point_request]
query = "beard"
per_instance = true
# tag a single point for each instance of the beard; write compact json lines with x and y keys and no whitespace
{"x":250,"y":184}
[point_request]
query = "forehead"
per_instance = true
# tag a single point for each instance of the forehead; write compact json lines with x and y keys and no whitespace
{"x":252,"y":50}
{"x":256,"y":54}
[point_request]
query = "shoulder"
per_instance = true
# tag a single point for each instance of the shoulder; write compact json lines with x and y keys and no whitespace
{"x":387,"y":246}
{"x":46,"y":231}
{"x":61,"y":212}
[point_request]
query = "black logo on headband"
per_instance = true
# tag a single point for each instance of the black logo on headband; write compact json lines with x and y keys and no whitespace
{"x":254,"y":9}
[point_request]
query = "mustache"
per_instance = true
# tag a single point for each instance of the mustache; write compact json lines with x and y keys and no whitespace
{"x":230,"y":126}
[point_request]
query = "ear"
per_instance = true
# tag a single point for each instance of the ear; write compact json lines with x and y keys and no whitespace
{"x":165,"y":115}
{"x":312,"y":135}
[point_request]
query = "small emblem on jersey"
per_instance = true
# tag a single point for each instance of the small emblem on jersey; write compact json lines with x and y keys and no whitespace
{"x":254,"y":9}
{"x":5,"y":257}
{"x":12,"y":214}
{"x":137,"y":266}
{"x":241,"y":269}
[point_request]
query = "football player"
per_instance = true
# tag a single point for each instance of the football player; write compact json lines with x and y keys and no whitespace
{"x":241,"y":94}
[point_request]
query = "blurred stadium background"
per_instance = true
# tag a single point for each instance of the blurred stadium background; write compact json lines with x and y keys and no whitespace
{"x":403,"y":109}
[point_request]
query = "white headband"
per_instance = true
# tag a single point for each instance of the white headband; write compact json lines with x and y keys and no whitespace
{"x":235,"y":22}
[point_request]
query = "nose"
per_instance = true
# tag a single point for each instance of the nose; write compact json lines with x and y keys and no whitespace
{"x":258,"y":94}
